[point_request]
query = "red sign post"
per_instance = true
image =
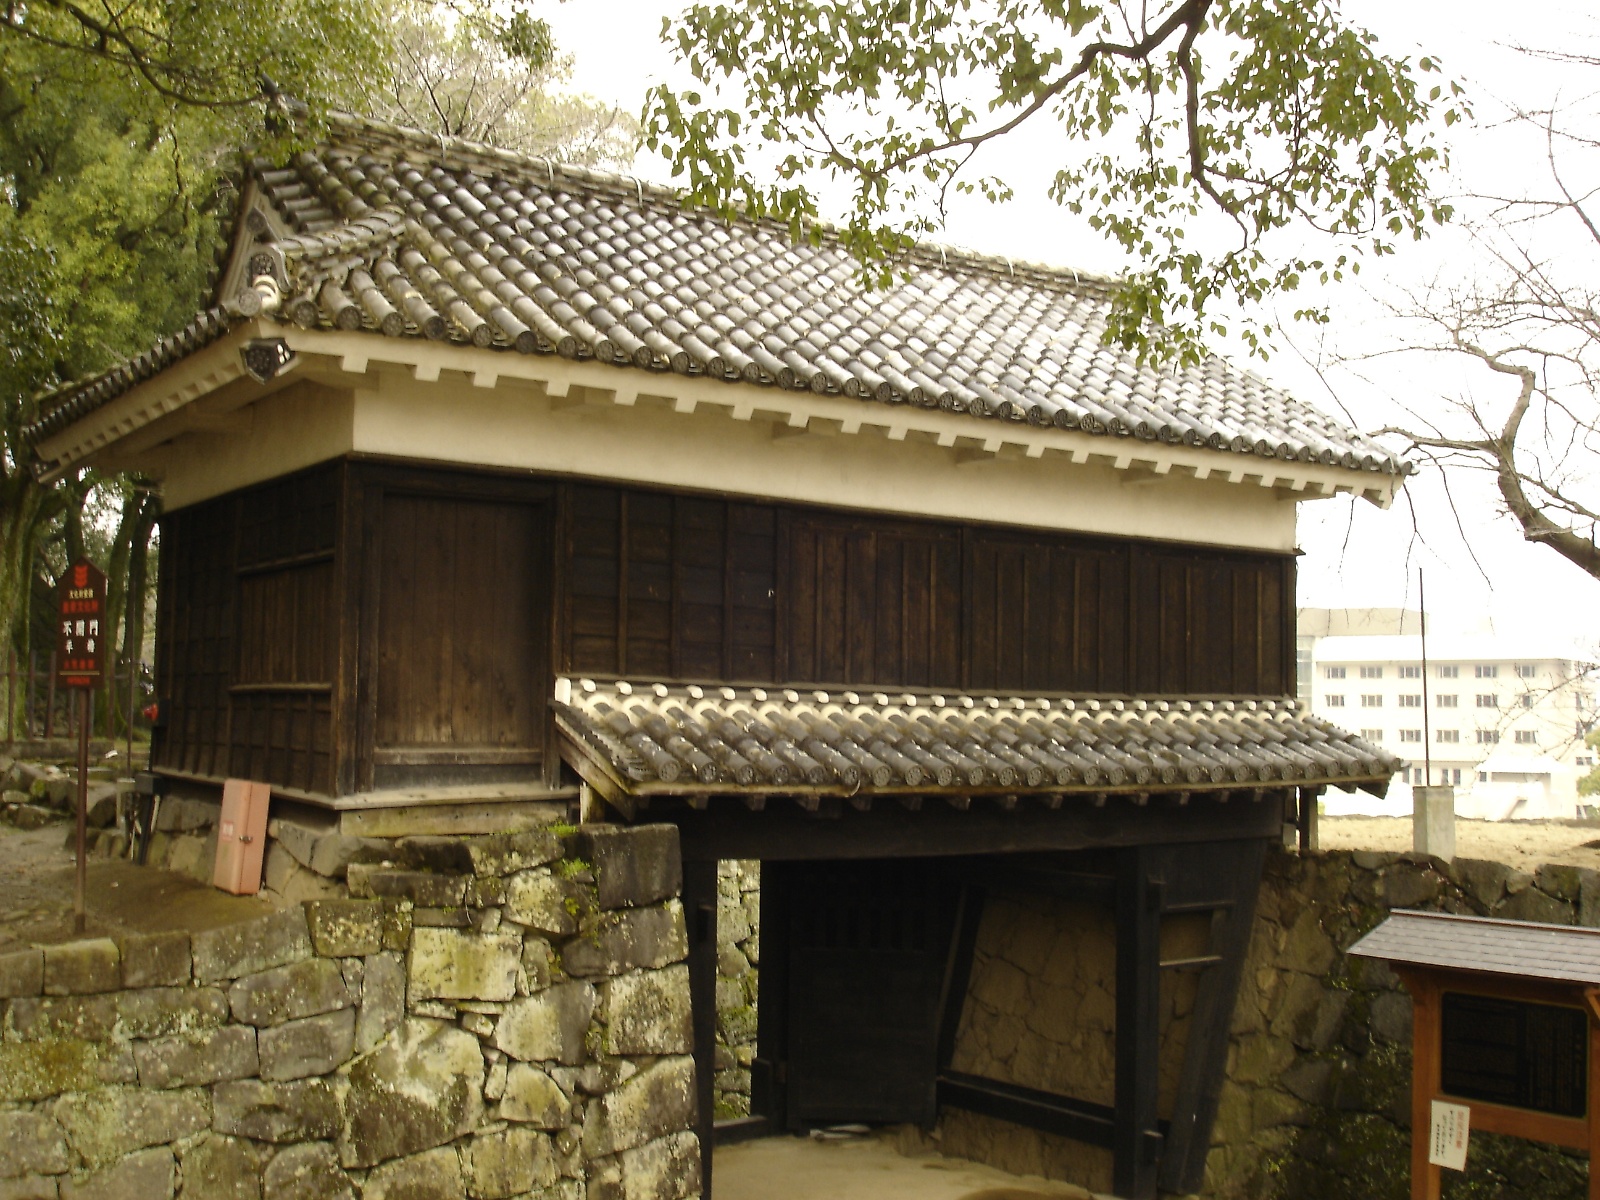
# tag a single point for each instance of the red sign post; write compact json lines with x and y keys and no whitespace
{"x":81,"y":633}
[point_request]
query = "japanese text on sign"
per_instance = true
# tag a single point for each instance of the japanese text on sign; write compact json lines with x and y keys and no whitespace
{"x":80,"y":626}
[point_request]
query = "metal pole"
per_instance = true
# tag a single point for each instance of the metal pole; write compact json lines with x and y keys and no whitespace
{"x":1427,"y":744}
{"x":80,"y":891}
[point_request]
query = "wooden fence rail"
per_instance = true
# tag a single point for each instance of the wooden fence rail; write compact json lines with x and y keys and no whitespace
{"x":35,"y":708}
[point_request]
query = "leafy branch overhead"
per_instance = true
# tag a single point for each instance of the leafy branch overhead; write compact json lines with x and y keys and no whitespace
{"x":1189,"y":133}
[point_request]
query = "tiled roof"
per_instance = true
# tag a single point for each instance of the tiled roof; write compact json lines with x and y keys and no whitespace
{"x":653,"y":738}
{"x":1465,"y":943}
{"x":404,"y":235}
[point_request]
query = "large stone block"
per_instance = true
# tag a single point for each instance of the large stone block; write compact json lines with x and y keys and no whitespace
{"x":451,"y":964}
{"x":210,"y":1056}
{"x":29,"y":1187}
{"x":326,"y":852}
{"x":223,"y":1168}
{"x":383,"y":999}
{"x":665,"y":1169}
{"x":419,"y":1089}
{"x":628,"y":940}
{"x":21,"y":973}
{"x":493,"y":854}
{"x":307,"y":1172}
{"x":633,"y":866}
{"x":647,"y":1012}
{"x":302,"y":989}
{"x":346,"y":928}
{"x":305,"y":1110}
{"x":147,"y":1013}
{"x":435,"y":1175}
{"x":148,"y":1175}
{"x":31,"y":1144}
{"x":82,"y":968}
{"x":531,"y":1097}
{"x":51,"y":1066}
{"x":501,"y":1165}
{"x":251,"y":946}
{"x":105,"y":1125}
{"x":657,"y":1101}
{"x":309,"y":1046}
{"x":542,"y":901}
{"x":156,"y":960}
{"x":548,"y":1026}
{"x":422,"y":888}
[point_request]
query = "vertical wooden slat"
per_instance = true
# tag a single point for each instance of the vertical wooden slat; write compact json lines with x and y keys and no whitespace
{"x":1135,"y":1140}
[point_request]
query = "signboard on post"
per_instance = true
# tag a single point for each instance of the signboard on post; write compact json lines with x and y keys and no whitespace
{"x":81,"y":631}
{"x":81,"y":626}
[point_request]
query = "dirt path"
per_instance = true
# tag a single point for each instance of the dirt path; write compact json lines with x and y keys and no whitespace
{"x":36,"y":884}
{"x":1521,"y":844}
{"x":791,"y":1168}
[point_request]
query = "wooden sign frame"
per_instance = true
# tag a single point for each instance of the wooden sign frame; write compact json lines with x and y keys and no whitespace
{"x":1428,"y":986}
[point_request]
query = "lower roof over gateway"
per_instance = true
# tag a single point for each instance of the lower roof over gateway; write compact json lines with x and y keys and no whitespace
{"x":641,"y":739}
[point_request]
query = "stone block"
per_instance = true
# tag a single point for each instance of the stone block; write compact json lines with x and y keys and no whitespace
{"x":1531,"y":904}
{"x":647,"y":1012}
{"x":519,"y":850}
{"x":21,"y":973}
{"x":345,"y":928}
{"x":542,"y":902}
{"x":435,"y":1175}
{"x":147,"y":1013}
{"x":627,"y":940}
{"x":451,"y":964}
{"x":501,"y":1165}
{"x":250,"y":947}
{"x":634,"y":866}
{"x":422,"y":888}
{"x":532,"y":1097}
{"x":307,"y":1172}
{"x":419,"y":1089}
{"x":658,"y":1101}
{"x":148,"y":1175}
{"x":180,"y":815}
{"x":156,"y":960}
{"x":1559,"y":880}
{"x":309,"y":1046}
{"x":1390,"y":1019}
{"x":82,"y":968}
{"x":301,"y":1111}
{"x":29,"y":1187}
{"x":302,"y":989}
{"x":1589,"y":898}
{"x":665,"y":1169}
{"x":548,"y":1026}
{"x":210,"y":1056}
{"x":223,"y":1168}
{"x":326,"y":852}
{"x":105,"y":1125}
{"x":397,"y":924}
{"x":442,"y":918}
{"x":31,"y":1144}
{"x":383,"y":999}
{"x":537,"y":960}
{"x":48,"y":1067}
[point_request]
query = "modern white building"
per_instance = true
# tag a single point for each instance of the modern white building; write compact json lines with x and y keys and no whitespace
{"x":1502,"y":720}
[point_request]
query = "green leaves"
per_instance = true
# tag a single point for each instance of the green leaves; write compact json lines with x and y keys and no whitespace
{"x":1197,"y":137}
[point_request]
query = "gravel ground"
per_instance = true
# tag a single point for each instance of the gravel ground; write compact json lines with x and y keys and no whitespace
{"x":1521,"y":844}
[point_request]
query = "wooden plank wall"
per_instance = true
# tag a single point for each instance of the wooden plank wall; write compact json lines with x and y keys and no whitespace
{"x":693,"y":588}
{"x":246,"y":638}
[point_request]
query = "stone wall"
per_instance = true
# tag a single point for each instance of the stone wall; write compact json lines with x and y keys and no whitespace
{"x":488,"y":1016}
{"x":738,"y":972}
{"x":1316,"y":1104}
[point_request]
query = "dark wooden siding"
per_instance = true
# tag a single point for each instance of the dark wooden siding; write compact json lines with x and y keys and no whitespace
{"x":247,"y":638}
{"x":693,"y":588}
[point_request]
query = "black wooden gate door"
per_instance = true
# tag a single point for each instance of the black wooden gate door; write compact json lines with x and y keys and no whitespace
{"x":868,"y":944}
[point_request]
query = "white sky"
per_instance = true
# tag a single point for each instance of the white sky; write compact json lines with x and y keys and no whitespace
{"x":1355,"y":554}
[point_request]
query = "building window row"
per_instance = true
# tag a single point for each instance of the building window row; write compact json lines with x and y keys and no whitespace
{"x":1411,"y":735}
{"x":1411,"y":701}
{"x":1333,"y":701}
{"x":1372,"y":672}
{"x":1488,"y":700}
{"x":1488,"y":737}
{"x":1371,"y":700}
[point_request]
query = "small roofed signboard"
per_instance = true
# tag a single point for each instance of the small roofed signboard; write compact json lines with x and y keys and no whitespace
{"x":1505,"y":1034}
{"x":81,"y":626}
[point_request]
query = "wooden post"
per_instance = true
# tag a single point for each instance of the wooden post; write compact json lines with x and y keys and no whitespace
{"x":700,"y":911}
{"x":80,"y":890}
{"x":1426,"y":1179}
{"x":133,"y":705}
{"x":50,"y":700}
{"x":1136,"y":1143}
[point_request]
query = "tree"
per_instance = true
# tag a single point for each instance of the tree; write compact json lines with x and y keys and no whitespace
{"x":463,"y":79}
{"x":1527,"y":317}
{"x":1589,"y":785}
{"x":1201,"y":136}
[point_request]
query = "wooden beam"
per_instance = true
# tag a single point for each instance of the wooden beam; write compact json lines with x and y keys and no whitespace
{"x":958,"y":971}
{"x":1136,"y":1139}
{"x":1063,"y":1116}
{"x":700,"y":913}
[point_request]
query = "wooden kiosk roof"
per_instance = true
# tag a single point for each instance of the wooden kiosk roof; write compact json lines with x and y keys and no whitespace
{"x":1450,"y":941}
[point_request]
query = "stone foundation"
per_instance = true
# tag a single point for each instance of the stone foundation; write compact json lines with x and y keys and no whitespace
{"x":738,"y":971}
{"x":486,"y":1015}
